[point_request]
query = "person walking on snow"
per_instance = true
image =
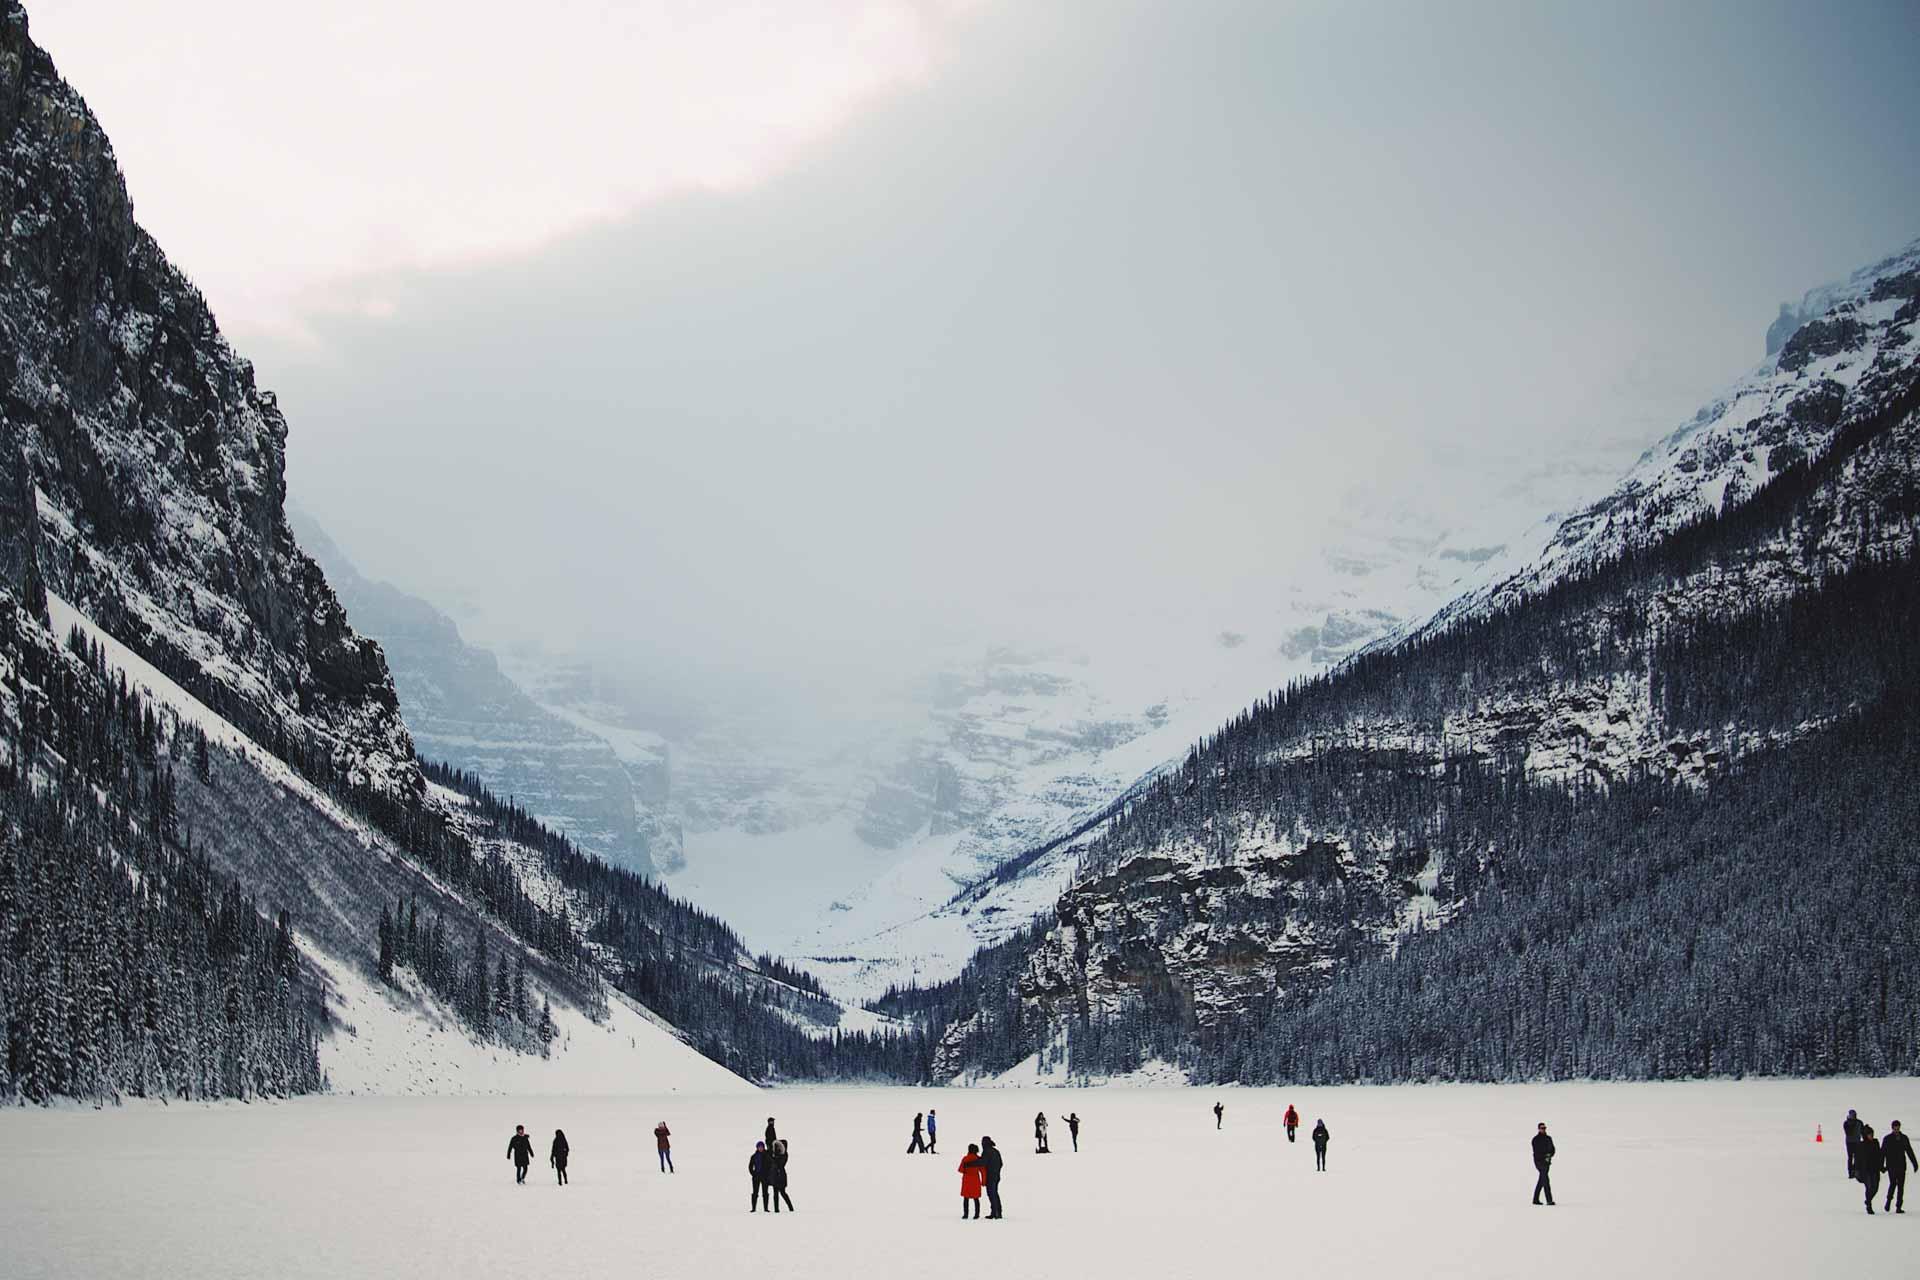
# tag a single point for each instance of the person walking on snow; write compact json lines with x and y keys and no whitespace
{"x":1040,"y":1134}
{"x":777,"y":1168}
{"x":933,"y":1132}
{"x":1320,"y":1137}
{"x":1292,"y":1121}
{"x":557,"y":1157}
{"x":1542,"y":1159}
{"x":771,"y":1136}
{"x":972,"y":1172}
{"x":991,"y":1160}
{"x":1897,"y":1153}
{"x":520,"y":1151}
{"x":758,"y":1167}
{"x":1217,"y":1109}
{"x":918,"y":1143}
{"x":1867,"y":1162}
{"x":663,"y":1139}
{"x":1073,"y":1128}
{"x":1850,"y":1129}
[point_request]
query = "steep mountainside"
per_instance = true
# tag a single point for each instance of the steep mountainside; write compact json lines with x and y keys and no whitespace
{"x":223,"y":870}
{"x":1596,"y":741}
{"x":462,"y":710}
{"x":159,"y":462}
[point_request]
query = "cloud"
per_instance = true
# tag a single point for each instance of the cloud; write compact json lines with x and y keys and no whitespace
{"x":288,"y":154}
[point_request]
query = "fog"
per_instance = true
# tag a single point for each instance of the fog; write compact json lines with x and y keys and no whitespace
{"x":1114,"y":308}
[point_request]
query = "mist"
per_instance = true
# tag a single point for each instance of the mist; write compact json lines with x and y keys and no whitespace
{"x":1098,"y":329}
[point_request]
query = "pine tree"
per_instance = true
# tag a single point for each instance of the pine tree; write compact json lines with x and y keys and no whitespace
{"x":546,"y":1032}
{"x":383,"y":966}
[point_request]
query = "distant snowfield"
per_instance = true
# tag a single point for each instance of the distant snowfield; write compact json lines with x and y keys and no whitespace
{"x":1686,"y":1180}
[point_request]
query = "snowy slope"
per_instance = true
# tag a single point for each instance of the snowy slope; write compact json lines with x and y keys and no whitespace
{"x":384,"y":1046}
{"x":1851,"y":337}
{"x":403,"y":1042}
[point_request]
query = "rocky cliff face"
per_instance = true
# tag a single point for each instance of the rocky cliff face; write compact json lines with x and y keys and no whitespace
{"x":463,"y":711}
{"x":160,"y":466}
{"x":1675,"y":628}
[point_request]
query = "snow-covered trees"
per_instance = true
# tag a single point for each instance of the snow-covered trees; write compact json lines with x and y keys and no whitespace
{"x":127,"y":965}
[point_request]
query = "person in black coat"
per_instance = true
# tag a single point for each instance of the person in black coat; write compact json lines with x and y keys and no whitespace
{"x":1320,"y":1138}
{"x":1542,"y":1160}
{"x":1867,"y":1161}
{"x":1897,"y":1153}
{"x":777,"y":1175}
{"x":919,"y":1143}
{"x":558,"y":1156}
{"x":1073,"y":1127}
{"x":1850,"y":1130}
{"x":759,"y":1167}
{"x":520,"y":1151}
{"x":1218,"y":1111}
{"x":771,"y":1136}
{"x":990,"y":1157}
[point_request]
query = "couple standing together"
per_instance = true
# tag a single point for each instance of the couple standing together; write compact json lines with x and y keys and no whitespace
{"x":980,"y":1170}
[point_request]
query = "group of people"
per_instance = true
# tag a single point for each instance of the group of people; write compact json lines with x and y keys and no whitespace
{"x":1868,"y":1157}
{"x":980,"y":1171}
{"x":1291,"y":1120}
{"x":520,"y":1152}
{"x":768,"y":1168}
{"x":932,"y":1137}
{"x":980,"y":1168}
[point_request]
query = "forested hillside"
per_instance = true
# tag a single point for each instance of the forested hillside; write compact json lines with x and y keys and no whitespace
{"x":1536,"y":837}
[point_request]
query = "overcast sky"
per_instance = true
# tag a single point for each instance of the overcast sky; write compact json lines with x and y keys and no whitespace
{"x":784,"y":330}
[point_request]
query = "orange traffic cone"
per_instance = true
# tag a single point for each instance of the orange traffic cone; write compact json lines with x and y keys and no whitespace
{"x":1816,"y":1134}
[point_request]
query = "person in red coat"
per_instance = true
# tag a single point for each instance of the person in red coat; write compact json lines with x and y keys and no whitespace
{"x":1292,"y":1119}
{"x":973,"y":1171}
{"x":663,"y":1142}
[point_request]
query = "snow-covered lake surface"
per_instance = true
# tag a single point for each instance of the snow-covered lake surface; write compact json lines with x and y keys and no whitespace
{"x":1690,"y":1180}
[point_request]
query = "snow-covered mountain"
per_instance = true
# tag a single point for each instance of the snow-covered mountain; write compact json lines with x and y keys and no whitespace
{"x":1522,"y":837}
{"x":1844,"y":344}
{"x":223,"y":869}
{"x":462,"y":711}
{"x":886,"y":845}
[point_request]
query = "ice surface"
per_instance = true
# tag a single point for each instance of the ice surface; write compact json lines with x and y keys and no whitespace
{"x":1677,"y":1180}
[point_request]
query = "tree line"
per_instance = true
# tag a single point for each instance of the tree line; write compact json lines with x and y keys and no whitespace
{"x":128,"y":967}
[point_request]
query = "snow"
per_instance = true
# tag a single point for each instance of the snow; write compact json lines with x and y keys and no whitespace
{"x":220,"y":732}
{"x":1670,"y":1180}
{"x":387,"y":1048}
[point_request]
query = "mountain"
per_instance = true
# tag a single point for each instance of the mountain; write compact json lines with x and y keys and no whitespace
{"x":224,"y":871}
{"x":1615,"y":810}
{"x":463,"y":711}
{"x":850,"y":841}
{"x":884,"y":842}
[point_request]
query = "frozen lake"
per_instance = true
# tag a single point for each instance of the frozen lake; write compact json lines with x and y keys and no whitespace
{"x":1653,"y":1180}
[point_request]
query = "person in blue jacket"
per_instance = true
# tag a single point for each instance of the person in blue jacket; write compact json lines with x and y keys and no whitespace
{"x":933,"y":1133}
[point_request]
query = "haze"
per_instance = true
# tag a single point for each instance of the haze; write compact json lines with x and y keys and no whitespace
{"x":780,"y":357}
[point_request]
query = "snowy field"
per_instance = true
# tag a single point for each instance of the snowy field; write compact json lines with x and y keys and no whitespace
{"x":1653,"y":1180}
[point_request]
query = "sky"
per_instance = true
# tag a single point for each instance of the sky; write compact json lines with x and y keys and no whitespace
{"x":779,"y":343}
